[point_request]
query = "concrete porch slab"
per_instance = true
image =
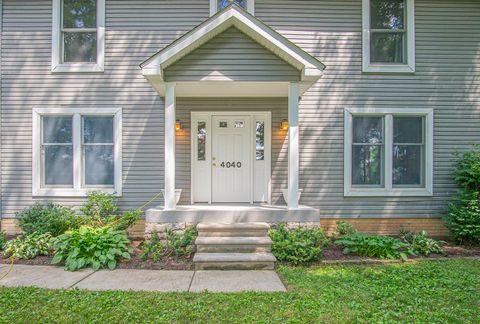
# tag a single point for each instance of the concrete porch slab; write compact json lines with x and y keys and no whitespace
{"x":232,"y":213}
{"x":42,"y":276}
{"x":145,"y":280}
{"x":236,"y":281}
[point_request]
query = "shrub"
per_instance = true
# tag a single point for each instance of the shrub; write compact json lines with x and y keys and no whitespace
{"x":53,"y":219}
{"x":3,"y":240}
{"x":96,"y":247}
{"x":126,"y":220}
{"x":298,"y":245}
{"x":177,"y":245}
{"x":467,"y":170}
{"x":344,"y":228}
{"x":421,"y":244}
{"x":383,"y":247}
{"x":463,"y":219}
{"x":100,"y":208}
{"x":29,"y":246}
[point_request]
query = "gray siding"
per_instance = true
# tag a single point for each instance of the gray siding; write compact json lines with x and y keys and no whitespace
{"x":447,"y":79}
{"x":231,"y":55}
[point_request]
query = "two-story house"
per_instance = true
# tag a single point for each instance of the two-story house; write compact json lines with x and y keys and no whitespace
{"x":302,"y":111}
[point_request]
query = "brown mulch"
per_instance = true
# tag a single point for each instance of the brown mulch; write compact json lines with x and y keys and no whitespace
{"x":330,"y":253}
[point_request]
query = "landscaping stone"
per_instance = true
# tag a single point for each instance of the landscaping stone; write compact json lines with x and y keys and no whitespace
{"x":41,"y":276}
{"x":129,"y":279}
{"x":236,"y":280}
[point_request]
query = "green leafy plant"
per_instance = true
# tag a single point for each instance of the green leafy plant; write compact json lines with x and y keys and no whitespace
{"x":51,"y":218}
{"x":467,"y":170}
{"x":383,"y":247}
{"x":297,"y":245}
{"x":175,"y":245}
{"x":29,"y":246}
{"x":344,"y":228}
{"x":463,"y":219}
{"x":126,"y":220}
{"x":420,"y":244}
{"x":3,"y":240}
{"x":96,"y":247}
{"x":100,"y":208}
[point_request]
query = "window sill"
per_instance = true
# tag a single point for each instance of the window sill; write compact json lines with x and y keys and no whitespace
{"x":388,"y":68}
{"x":69,"y":192}
{"x":77,"y":68}
{"x":381,"y":192}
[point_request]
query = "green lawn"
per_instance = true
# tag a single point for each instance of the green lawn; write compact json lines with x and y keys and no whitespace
{"x":428,"y":292}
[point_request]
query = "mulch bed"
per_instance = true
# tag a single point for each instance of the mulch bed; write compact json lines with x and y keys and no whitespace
{"x":331,"y":253}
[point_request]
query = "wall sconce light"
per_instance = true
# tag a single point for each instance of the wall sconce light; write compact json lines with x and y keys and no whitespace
{"x":178,"y":125}
{"x":284,"y":124}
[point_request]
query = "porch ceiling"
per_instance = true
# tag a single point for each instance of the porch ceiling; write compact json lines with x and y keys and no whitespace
{"x":309,"y":67}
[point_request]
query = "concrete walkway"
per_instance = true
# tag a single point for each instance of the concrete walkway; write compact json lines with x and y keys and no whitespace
{"x":141,"y":280}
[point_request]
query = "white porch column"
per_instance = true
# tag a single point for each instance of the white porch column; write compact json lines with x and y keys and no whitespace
{"x":293,"y":142}
{"x":170,"y":146}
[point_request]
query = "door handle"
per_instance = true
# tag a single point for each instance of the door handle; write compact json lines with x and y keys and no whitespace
{"x":214,"y":164}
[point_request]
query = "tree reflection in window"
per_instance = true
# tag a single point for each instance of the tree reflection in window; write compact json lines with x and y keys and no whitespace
{"x":225,"y":3}
{"x":201,"y":140}
{"x":260,"y":141}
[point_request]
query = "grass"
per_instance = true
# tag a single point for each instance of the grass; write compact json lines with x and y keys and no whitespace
{"x":423,"y":292}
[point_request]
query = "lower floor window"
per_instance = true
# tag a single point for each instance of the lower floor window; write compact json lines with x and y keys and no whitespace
{"x":388,"y":151}
{"x":76,"y":151}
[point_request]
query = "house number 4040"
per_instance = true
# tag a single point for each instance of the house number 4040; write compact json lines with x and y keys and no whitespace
{"x":229,"y":165}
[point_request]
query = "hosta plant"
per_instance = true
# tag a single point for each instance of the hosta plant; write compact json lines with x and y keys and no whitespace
{"x":421,"y":244}
{"x":92,"y":247}
{"x":29,"y":246}
{"x":344,"y":228}
{"x":383,"y":247}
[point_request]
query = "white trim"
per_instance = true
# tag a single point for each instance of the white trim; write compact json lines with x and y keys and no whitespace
{"x":196,"y":116}
{"x":214,"y":7}
{"x":409,"y":67}
{"x":388,"y":190}
{"x":57,"y":65}
{"x":170,"y":120}
{"x":293,"y":146}
{"x":77,"y":190}
{"x":310,"y":67}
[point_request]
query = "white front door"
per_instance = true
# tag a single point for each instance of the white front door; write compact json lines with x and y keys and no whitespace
{"x":231,"y":159}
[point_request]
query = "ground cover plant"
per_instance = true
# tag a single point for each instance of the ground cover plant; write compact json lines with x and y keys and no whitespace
{"x":50,"y":218}
{"x":382,"y":247}
{"x":178,"y":245}
{"x":91,"y":247}
{"x":299,"y":245}
{"x":420,"y":244}
{"x":463,"y":218}
{"x":29,"y":246}
{"x":414,"y":292}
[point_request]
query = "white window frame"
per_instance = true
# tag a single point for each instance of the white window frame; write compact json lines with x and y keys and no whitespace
{"x":58,"y":66}
{"x":409,"y":67}
{"x":214,"y":6}
{"x":388,"y":189}
{"x":78,"y":190}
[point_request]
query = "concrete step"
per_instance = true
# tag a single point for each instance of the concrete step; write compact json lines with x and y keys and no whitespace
{"x":234,"y":261}
{"x":232,"y":230}
{"x":233,"y":244}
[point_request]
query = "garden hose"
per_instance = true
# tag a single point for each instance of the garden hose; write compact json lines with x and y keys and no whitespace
{"x":9,"y":269}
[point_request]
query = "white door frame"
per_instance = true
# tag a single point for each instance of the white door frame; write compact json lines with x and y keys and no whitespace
{"x":196,"y":116}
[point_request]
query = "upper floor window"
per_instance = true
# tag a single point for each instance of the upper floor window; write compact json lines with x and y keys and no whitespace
{"x":78,"y":35}
{"x":388,"y":152}
{"x":218,"y":5}
{"x":76,"y":151}
{"x":388,"y":36}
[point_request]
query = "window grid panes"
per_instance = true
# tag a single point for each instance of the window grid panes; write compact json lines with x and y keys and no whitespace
{"x":368,"y":151}
{"x":57,"y":151}
{"x":388,"y":31}
{"x":79,"y":31}
{"x":225,"y":3}
{"x":98,"y":151}
{"x":201,"y":140}
{"x":408,"y":151}
{"x":260,"y":141}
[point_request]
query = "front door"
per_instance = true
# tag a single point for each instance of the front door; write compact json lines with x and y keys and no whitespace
{"x":231,"y":159}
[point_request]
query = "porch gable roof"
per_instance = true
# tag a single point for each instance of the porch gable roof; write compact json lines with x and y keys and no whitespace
{"x":233,"y":16}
